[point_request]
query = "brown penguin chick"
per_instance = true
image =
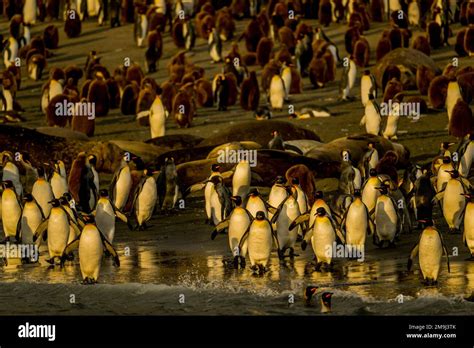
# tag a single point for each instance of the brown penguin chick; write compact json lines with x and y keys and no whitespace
{"x":406,"y":36}
{"x":73,"y":72}
{"x":177,"y":33}
{"x":264,"y":22}
{"x":232,"y":85}
{"x":154,"y":50}
{"x":390,"y":72}
{"x":393,"y":87}
{"x":424,"y":76}
{"x":127,"y":13}
{"x":330,"y":66}
{"x":361,"y":52}
{"x":470,"y":13}
{"x":287,"y":38}
{"x":237,"y":9}
{"x":250,"y":93}
{"x":225,"y":24}
{"x":362,"y":11}
{"x":296,"y":86}
{"x":383,"y":47}
{"x":434,"y":35}
{"x":35,"y":64}
{"x":208,"y":23}
{"x":252,"y":35}
{"x":459,"y":45}
{"x":292,"y":23}
{"x":325,"y":12}
{"x":356,"y":19}
{"x":388,"y":165}
{"x":73,"y":24}
{"x":466,"y":83}
{"x":134,"y":73}
{"x":203,"y":90}
{"x":273,"y":67}
{"x":461,"y":122}
{"x":421,"y":44}
{"x":188,"y":78}
{"x":450,"y":70}
{"x":82,"y":123}
{"x":463,"y":13}
{"x":71,"y":90}
{"x":250,"y":59}
{"x":400,"y":19}
{"x":128,"y":103}
{"x":85,"y":89}
{"x":437,"y":91}
{"x":9,"y":82}
{"x":182,"y":110}
{"x":377,"y":11}
{"x":54,"y":116}
{"x":114,"y":93}
{"x":169,"y":90}
{"x":302,"y":30}
{"x":234,"y":53}
{"x":469,"y":41}
{"x":98,"y":94}
{"x":396,"y":38}
{"x":351,"y":36}
{"x":318,"y":71}
{"x":15,"y":72}
{"x":306,"y":180}
{"x":178,"y":59}
{"x":51,"y":37}
{"x":284,"y":55}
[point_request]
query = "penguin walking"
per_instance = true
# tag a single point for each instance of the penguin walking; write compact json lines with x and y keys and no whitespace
{"x":59,"y":180}
{"x":11,"y":212}
{"x":56,"y":227}
{"x":241,"y":179}
{"x":430,"y":248}
{"x":414,"y":13}
{"x":277,"y":92}
{"x":69,"y":206}
{"x":215,"y":46}
{"x":368,"y":87}
{"x":372,"y":118}
{"x":32,"y":216}
{"x":144,"y":200}
{"x":105,"y":214}
{"x":42,"y":192}
{"x":387,"y":218}
{"x":308,"y":217}
{"x":121,"y":185}
{"x":237,"y":223}
{"x":158,"y":116}
{"x":259,"y":237}
{"x":221,"y":204}
{"x":323,"y":235}
{"x":208,"y":187}
{"x":356,"y":223}
{"x":349,"y":75}
{"x":454,"y":202}
{"x":91,"y":244}
{"x":422,"y":201}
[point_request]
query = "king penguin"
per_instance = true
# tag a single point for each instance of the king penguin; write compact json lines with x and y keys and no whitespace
{"x":42,"y":192}
{"x":105,"y":214}
{"x":215,"y":46}
{"x":158,"y":116}
{"x":278,"y":193}
{"x":121,"y":185}
{"x":387,"y":219}
{"x":349,"y":75}
{"x":241,"y":179}
{"x":369,"y":190}
{"x":11,"y":212}
{"x":277,"y":92}
{"x":11,"y":172}
{"x":32,"y":216}
{"x":255,"y":203}
{"x":367,"y":87}
{"x":144,"y":200}
{"x":221,"y":204}
{"x":372,"y":118}
{"x":59,"y":180}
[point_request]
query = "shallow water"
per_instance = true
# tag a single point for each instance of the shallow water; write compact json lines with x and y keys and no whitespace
{"x":176,"y":257}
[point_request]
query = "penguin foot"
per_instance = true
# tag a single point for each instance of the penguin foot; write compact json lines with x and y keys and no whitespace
{"x":391,"y":244}
{"x":470,"y":258}
{"x":318,"y":267}
{"x":5,"y":240}
{"x":89,"y":281}
{"x":454,"y":231}
{"x":242,"y":262}
{"x":299,"y":238}
{"x":281,"y":254}
{"x":236,"y":262}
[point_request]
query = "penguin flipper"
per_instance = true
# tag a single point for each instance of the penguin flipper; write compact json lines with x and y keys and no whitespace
{"x":256,"y":177}
{"x":220,"y":227}
{"x":273,"y":232}
{"x":110,"y":249}
{"x":75,"y":228}
{"x":278,"y":211}
{"x":69,"y":249}
{"x":40,"y":230}
{"x":121,"y":216}
{"x":299,"y":220}
{"x":195,"y":188}
{"x":270,"y":208}
{"x":413,"y":253}
{"x":244,"y":237}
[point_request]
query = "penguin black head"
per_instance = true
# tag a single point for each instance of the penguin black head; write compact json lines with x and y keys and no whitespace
{"x":445,"y":145}
{"x":63,"y":201}
{"x":295,"y":181}
{"x":237,"y":200}
{"x":148,"y":172}
{"x":309,"y":292}
{"x":260,"y":215}
{"x":93,"y":160}
{"x":427,"y":222}
{"x":7,"y":184}
{"x":215,"y":168}
{"x":366,"y":72}
{"x":371,"y":145}
{"x":55,"y":203}
{"x":326,"y":300}
{"x":68,"y":196}
{"x":446,"y":159}
{"x":40,"y":171}
{"x":216,"y":179}
{"x":254,"y":192}
{"x":280,"y":180}
{"x":321,"y":211}
{"x":383,"y":189}
{"x":454,"y":173}
{"x":88,"y":218}
{"x":28,"y":197}
{"x":373,"y":172}
{"x":318,"y":195}
{"x":357,"y":193}
{"x":371,"y":96}
{"x":104,"y":193}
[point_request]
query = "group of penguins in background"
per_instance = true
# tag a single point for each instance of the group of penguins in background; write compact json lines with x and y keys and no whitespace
{"x":277,"y":38}
{"x":70,"y":211}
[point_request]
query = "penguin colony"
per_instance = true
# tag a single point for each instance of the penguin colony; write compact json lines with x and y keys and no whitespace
{"x":71,"y":211}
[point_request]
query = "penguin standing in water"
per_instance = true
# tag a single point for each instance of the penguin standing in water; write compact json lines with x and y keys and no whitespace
{"x":387,"y":218}
{"x":259,"y":237}
{"x":57,"y":228}
{"x":349,"y":75}
{"x":370,"y":193}
{"x":356,"y":223}
{"x":323,"y":235}
{"x":144,"y":200}
{"x":454,"y":201}
{"x":105,"y":214}
{"x":215,"y":46}
{"x":81,"y":183}
{"x":42,"y":192}
{"x":372,"y":118}
{"x":278,"y":193}
{"x":423,"y":198}
{"x":241,"y":179}
{"x":121,"y":185}
{"x":368,"y":87}
{"x":11,"y":212}
{"x":68,"y":204}
{"x":208,"y":189}
{"x":237,"y":223}
{"x":277,"y":92}
{"x":221,"y":204}
{"x":59,"y":180}
{"x":91,"y":243}
{"x":430,"y":248}
{"x":300,"y":195}
{"x":32,"y":216}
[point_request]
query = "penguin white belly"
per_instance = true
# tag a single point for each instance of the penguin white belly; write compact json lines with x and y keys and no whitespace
{"x":277,"y":92}
{"x":256,"y":204}
{"x":452,"y":95}
{"x":90,"y":252}
{"x":10,"y":172}
{"x":58,"y":232}
{"x":290,"y":211}
{"x":443,"y":177}
{"x":105,"y":220}
{"x":157,"y":119}
{"x":241,"y":180}
{"x":92,"y":7}
{"x":385,"y":219}
{"x":357,"y":179}
{"x":143,"y":31}
{"x":11,"y":213}
{"x":259,"y":244}
{"x":453,"y":203}
{"x":11,"y":52}
{"x":352,"y":75}
{"x":365,"y":86}
{"x":374,"y":159}
{"x":122,"y":188}
{"x":214,"y":53}
{"x":466,"y":160}
{"x":79,"y":9}
{"x":59,"y":185}
{"x":216,"y":208}
{"x":356,"y":224}
{"x":45,"y":99}
{"x":286,"y":76}
{"x":317,"y":204}
{"x":146,"y":201}
{"x":372,"y":120}
{"x":430,"y":253}
{"x":207,"y":198}
{"x":302,"y":201}
{"x":323,"y":240}
{"x":55,"y":88}
{"x":277,"y":195}
{"x":392,"y":126}
{"x":370,"y":196}
{"x":30,"y":220}
{"x":43,"y":193}
{"x":469,"y":227}
{"x":29,"y":12}
{"x":414,"y":13}
{"x":8,"y":99}
{"x":238,"y":224}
